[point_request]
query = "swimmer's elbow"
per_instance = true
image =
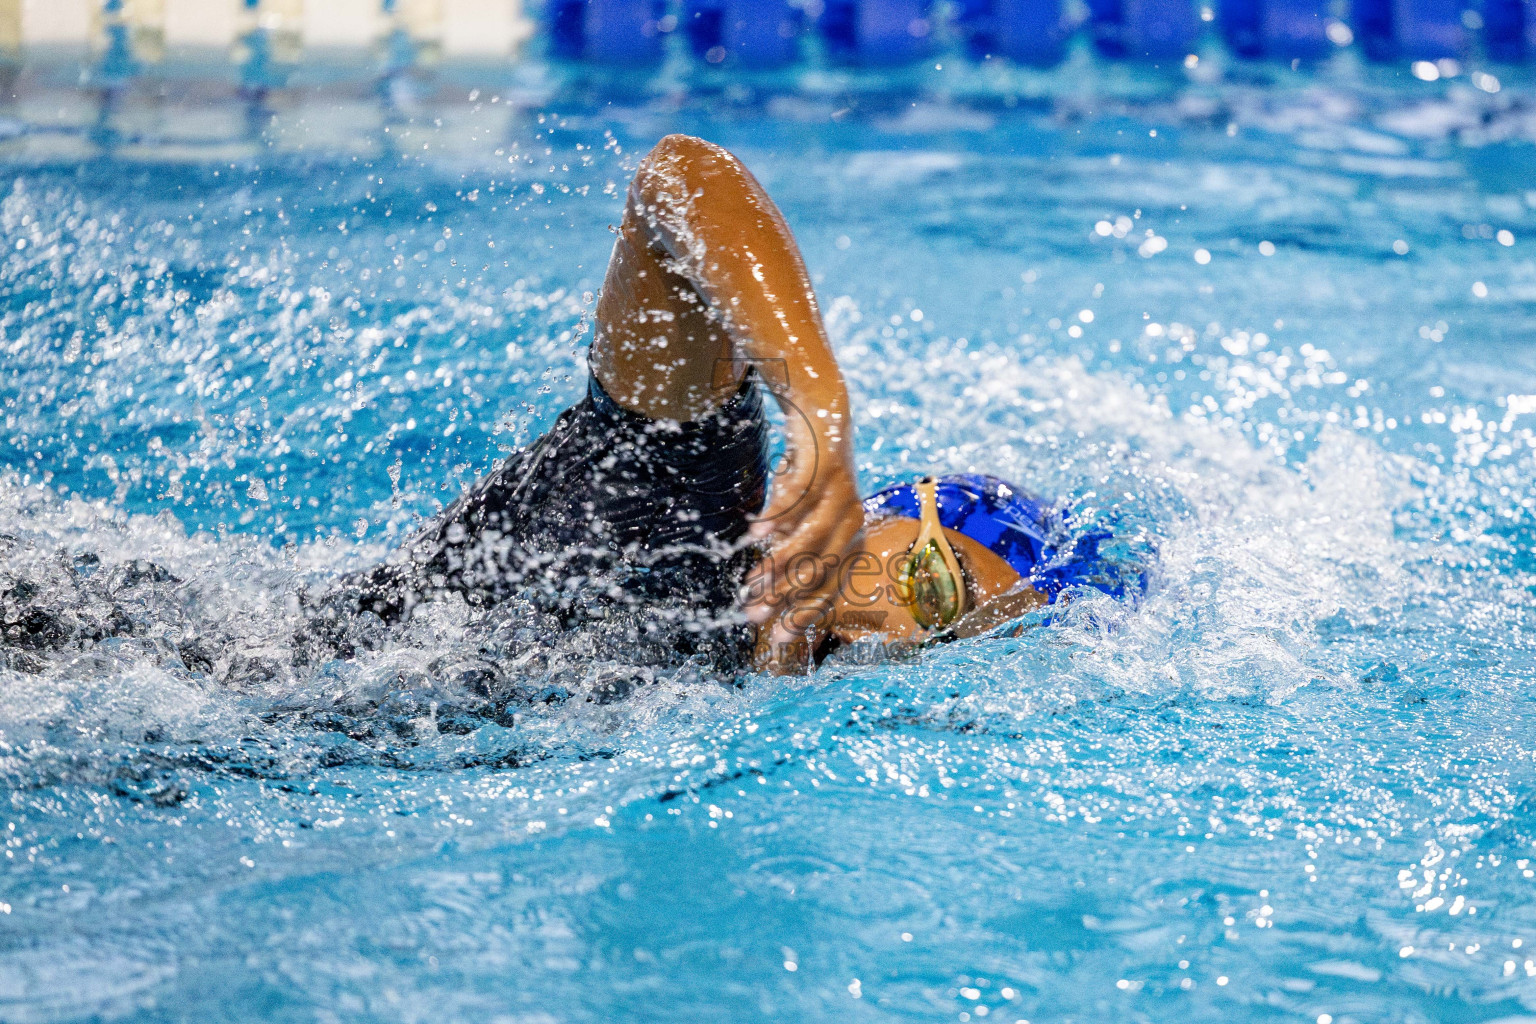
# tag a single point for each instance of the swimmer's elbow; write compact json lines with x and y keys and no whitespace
{"x":677,"y":166}
{"x":678,"y":146}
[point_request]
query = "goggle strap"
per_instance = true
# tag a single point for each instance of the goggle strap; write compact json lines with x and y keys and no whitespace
{"x":930,"y":529}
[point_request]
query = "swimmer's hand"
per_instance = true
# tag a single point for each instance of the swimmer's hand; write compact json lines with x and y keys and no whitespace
{"x":813,"y":523}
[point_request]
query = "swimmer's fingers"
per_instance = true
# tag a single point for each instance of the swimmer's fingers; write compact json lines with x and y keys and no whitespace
{"x":798,"y":580}
{"x":813,"y":523}
{"x":807,"y":549}
{"x":787,"y":642}
{"x":793,"y":590}
{"x":784,"y":652}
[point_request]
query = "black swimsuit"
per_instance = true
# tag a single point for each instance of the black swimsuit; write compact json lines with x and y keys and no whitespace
{"x":653,"y":509}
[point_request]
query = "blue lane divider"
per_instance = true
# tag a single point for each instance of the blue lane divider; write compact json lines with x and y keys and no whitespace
{"x":877,"y":31}
{"x":766,"y":33}
{"x":1410,"y":29}
{"x":1283,"y":29}
{"x":1431,"y":29}
{"x":1509,"y":29}
{"x":1026,"y":31}
{"x":606,"y":31}
{"x":1152,"y":29}
{"x":1373,"y":27}
{"x":1242,"y":26}
{"x":763,"y":33}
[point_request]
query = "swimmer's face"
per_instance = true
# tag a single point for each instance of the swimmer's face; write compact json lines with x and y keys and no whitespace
{"x":869,"y":604}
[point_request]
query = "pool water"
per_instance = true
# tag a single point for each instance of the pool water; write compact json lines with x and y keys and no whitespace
{"x":1284,"y":336}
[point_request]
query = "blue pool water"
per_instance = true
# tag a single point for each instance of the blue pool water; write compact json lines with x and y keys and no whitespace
{"x":1289,"y":334}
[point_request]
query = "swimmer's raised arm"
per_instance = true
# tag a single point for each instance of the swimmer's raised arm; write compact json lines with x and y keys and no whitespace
{"x":706,"y":279}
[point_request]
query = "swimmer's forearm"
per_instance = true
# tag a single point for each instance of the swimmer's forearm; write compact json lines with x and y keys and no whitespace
{"x":723,"y":233}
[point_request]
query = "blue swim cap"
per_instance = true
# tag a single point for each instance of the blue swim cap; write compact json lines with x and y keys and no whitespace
{"x":1009,"y":523}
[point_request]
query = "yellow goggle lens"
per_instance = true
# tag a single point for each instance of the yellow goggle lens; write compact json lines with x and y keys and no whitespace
{"x":935,"y":595}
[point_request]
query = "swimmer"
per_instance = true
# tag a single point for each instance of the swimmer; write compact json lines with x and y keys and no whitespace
{"x":653,"y":493}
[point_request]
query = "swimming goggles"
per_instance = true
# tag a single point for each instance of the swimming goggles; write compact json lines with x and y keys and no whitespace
{"x":931,"y":580}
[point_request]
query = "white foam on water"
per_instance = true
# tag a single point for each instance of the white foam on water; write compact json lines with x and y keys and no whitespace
{"x":1249,"y":550}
